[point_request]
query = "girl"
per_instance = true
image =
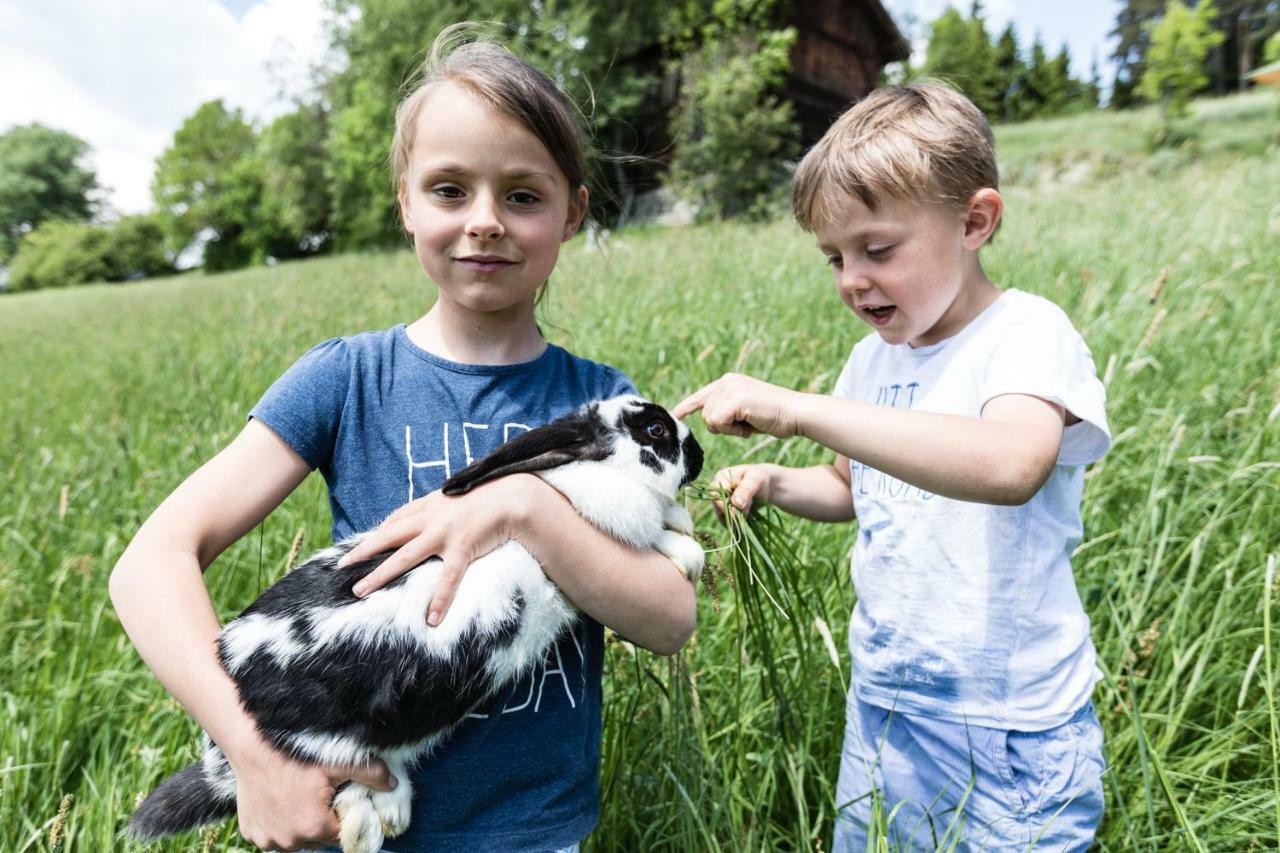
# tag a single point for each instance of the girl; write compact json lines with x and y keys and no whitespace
{"x":488,"y":165}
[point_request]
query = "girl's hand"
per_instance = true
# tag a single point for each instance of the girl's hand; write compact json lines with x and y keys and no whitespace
{"x":458,"y":530}
{"x":747,"y":483}
{"x":742,"y":406}
{"x":285,"y":804}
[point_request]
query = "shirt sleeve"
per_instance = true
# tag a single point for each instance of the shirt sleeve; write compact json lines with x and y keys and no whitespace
{"x":1047,"y":358}
{"x":304,"y":406}
{"x":845,"y":386}
{"x":615,"y":383}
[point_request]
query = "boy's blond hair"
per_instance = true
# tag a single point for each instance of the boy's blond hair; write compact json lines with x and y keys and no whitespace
{"x":923,"y":142}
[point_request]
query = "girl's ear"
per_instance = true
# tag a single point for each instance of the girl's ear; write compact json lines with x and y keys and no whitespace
{"x":402,"y":196}
{"x":982,"y":215}
{"x":577,"y":212}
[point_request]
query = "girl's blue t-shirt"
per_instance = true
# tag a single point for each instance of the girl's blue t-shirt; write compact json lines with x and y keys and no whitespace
{"x":386,"y":422}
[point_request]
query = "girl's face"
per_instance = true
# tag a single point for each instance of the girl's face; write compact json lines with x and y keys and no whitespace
{"x":485,"y":202}
{"x":909,"y":270}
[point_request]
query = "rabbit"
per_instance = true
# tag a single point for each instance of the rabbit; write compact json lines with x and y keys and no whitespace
{"x":403,"y":686}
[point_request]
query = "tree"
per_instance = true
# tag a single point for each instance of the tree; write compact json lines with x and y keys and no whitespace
{"x":1272,"y":50}
{"x":1175,"y":61}
{"x":1132,"y":35}
{"x":1038,"y":92}
{"x":731,"y":133}
{"x":206,"y":185}
{"x":293,"y":213}
{"x":134,"y":248}
{"x":961,"y":52}
{"x":1013,"y":74}
{"x":42,"y":178}
{"x":1243,"y":24}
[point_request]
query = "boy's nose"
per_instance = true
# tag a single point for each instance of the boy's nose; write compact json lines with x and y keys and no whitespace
{"x":852,"y":282}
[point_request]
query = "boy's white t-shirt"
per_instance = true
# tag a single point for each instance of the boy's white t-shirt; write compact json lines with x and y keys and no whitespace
{"x":968,"y":611}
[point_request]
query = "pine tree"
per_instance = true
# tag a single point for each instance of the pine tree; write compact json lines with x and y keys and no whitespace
{"x":1013,"y":73}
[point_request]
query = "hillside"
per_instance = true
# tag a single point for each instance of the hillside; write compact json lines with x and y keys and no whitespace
{"x":1166,"y":262}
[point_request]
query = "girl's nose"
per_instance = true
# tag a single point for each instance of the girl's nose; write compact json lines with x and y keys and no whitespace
{"x":484,"y":222}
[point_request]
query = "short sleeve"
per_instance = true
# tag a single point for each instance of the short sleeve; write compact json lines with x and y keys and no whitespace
{"x":615,"y":383}
{"x":1046,"y":357}
{"x":304,"y":406}
{"x":845,"y":386}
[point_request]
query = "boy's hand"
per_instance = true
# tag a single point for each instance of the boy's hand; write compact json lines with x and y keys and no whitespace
{"x":746,"y":483}
{"x":742,"y":406}
{"x":284,"y":804}
{"x":458,"y":530}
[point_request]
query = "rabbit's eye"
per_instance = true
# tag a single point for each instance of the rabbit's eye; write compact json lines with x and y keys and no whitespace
{"x":656,"y":429}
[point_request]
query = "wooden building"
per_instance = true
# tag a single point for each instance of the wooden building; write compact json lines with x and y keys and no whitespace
{"x":841,"y":47}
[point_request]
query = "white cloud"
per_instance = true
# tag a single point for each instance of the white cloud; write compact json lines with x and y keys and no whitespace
{"x":123,"y":74}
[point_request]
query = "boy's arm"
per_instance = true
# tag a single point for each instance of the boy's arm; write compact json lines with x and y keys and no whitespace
{"x":158,"y":591}
{"x":820,"y":493}
{"x":1002,"y":457}
{"x":642,"y":595}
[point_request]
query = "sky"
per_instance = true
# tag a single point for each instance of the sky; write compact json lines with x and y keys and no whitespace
{"x":124,"y":74}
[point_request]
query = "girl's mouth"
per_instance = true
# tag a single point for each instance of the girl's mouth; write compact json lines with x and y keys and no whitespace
{"x":485,"y":263}
{"x":879,"y":314}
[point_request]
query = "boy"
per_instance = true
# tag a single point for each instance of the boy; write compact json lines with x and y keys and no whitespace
{"x":961,"y":431}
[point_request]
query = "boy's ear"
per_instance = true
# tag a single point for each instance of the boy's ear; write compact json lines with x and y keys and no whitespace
{"x":577,"y":212}
{"x":982,"y":216}
{"x":402,"y":196}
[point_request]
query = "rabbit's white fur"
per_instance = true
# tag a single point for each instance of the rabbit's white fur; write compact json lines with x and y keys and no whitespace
{"x":505,"y":615}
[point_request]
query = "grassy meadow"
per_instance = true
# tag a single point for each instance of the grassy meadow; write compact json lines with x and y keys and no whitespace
{"x":1168,"y":264}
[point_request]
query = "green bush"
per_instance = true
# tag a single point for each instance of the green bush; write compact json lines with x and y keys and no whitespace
{"x":135,"y":249}
{"x":58,"y":254}
{"x":732,"y":134}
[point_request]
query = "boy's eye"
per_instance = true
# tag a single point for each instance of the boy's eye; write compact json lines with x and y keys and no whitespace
{"x":835,"y":261}
{"x":879,"y":252}
{"x":522,"y":197}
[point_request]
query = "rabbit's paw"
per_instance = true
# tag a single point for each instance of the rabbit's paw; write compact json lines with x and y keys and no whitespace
{"x":684,"y":551}
{"x":361,"y":830}
{"x":392,"y":808}
{"x":677,"y":518}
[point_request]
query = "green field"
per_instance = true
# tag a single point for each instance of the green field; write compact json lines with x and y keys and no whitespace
{"x":1168,"y":265}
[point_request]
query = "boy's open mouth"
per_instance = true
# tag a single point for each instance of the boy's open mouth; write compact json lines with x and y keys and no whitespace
{"x":879,"y":314}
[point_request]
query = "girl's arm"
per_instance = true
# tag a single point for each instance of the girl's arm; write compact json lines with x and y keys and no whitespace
{"x":642,"y":595}
{"x":1002,"y":457}
{"x":158,"y":591}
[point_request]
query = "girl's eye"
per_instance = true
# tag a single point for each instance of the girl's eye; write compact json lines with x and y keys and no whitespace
{"x":878,"y":252}
{"x":524,"y":198}
{"x":656,"y":429}
{"x":448,"y":191}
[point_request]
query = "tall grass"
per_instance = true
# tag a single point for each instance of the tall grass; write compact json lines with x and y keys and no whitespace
{"x":113,"y":394}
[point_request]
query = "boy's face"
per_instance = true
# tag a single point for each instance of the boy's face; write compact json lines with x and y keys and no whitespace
{"x":909,"y":269}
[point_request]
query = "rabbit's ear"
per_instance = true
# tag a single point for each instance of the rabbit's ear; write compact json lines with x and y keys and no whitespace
{"x":574,"y":438}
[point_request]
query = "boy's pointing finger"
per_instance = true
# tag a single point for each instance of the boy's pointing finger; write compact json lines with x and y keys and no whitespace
{"x":690,"y":404}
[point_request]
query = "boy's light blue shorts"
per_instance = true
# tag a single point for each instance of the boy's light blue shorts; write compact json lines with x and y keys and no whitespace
{"x":967,"y":787}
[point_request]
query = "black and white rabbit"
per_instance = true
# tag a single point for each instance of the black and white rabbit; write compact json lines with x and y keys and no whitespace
{"x":334,"y":679}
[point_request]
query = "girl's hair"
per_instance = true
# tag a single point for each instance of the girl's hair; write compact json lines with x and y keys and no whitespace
{"x":507,"y":83}
{"x":923,"y":142}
